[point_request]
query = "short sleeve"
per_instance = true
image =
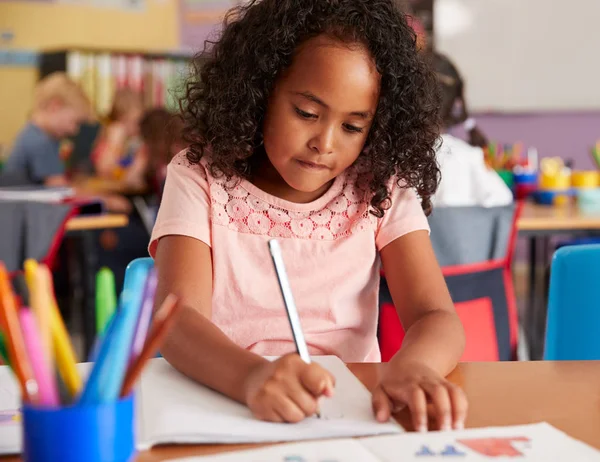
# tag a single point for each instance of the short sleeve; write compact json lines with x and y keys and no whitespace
{"x":185,"y":204}
{"x":45,"y":161}
{"x":404,"y":216}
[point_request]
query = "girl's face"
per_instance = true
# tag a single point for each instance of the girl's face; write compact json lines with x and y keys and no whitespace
{"x":318,"y":117}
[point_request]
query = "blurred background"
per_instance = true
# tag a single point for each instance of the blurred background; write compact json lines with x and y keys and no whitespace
{"x":521,"y":101}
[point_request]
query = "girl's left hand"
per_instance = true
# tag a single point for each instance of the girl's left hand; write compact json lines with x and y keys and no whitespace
{"x":418,"y":386}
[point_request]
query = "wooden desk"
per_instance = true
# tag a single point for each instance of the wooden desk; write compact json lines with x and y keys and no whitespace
{"x":564,"y":394}
{"x":540,"y":218}
{"x":92,"y":222}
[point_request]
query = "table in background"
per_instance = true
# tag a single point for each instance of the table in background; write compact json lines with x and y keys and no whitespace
{"x":81,"y":230}
{"x":564,"y":394}
{"x":539,"y":223}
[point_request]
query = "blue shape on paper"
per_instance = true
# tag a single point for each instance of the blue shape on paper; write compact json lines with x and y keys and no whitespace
{"x":451,"y":451}
{"x":425,"y":452}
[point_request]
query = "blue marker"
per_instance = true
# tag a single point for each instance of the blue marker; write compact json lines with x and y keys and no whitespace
{"x":106,"y":378}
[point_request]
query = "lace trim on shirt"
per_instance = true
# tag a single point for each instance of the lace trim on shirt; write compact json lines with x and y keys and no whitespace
{"x":238,"y":210}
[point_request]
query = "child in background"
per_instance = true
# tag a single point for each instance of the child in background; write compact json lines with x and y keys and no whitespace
{"x":313,"y":122}
{"x":117,"y":155}
{"x":161,"y":134}
{"x":59,"y":107}
{"x":454,"y":107}
{"x":466,"y":180}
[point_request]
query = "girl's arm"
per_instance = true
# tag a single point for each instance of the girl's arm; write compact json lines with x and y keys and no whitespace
{"x":434,"y":333}
{"x":434,"y":339}
{"x":284,"y":390}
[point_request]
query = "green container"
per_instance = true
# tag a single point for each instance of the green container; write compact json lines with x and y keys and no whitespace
{"x":507,"y":176}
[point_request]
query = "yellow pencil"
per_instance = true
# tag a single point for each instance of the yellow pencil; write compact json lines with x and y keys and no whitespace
{"x":63,"y":348}
{"x":40,"y":307}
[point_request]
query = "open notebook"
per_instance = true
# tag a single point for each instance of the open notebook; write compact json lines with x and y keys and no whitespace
{"x":525,"y":443}
{"x":171,"y":408}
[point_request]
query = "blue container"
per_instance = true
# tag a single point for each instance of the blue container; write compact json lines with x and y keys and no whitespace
{"x":102,"y":433}
{"x":526,"y":177}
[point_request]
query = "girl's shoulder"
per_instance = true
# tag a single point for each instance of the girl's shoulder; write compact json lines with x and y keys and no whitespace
{"x":181,"y":160}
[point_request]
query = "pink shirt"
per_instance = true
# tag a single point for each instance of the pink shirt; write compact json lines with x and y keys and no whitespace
{"x":330,"y":248}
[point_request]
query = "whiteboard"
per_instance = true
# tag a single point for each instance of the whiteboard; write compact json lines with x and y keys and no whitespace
{"x":523,"y":55}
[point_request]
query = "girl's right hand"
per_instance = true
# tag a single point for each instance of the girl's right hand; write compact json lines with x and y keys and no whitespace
{"x":287,"y":390}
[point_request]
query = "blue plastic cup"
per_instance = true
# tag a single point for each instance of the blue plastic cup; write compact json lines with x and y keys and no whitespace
{"x":102,"y":433}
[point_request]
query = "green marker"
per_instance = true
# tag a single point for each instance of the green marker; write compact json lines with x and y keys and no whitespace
{"x":106,"y":299}
{"x":3,"y":350}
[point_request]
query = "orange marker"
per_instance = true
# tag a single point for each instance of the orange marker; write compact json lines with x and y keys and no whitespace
{"x":14,"y":339}
{"x":163,"y":320}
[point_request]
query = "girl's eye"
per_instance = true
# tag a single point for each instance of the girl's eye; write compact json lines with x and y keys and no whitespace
{"x":353,"y":129}
{"x":304,"y":114}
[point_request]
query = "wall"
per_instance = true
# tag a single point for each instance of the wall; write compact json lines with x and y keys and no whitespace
{"x":569,"y":135}
{"x":47,"y":25}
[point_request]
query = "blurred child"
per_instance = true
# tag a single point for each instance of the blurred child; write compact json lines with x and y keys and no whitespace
{"x":466,"y":180}
{"x":454,"y":107}
{"x":161,"y":134}
{"x":59,"y":107}
{"x":117,"y":155}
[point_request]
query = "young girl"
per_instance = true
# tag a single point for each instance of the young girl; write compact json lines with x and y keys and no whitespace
{"x":117,"y":154}
{"x":313,"y":122}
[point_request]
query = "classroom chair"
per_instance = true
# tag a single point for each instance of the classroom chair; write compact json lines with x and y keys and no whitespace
{"x":573,"y":322}
{"x":484,"y":298}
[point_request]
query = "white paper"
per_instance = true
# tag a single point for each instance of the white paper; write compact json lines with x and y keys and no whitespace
{"x":177,"y":410}
{"x":10,"y":422}
{"x":525,"y":443}
{"x":36,"y":193}
{"x":345,"y":450}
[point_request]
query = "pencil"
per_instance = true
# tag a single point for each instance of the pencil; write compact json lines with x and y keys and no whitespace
{"x":17,"y":354}
{"x":39,"y":304}
{"x":288,"y":301}
{"x":163,"y":320}
{"x":44,"y":375}
{"x":66,"y":359}
{"x":3,"y":350}
{"x":145,"y":318}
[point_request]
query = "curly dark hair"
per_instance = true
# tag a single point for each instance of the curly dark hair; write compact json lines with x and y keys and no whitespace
{"x":226,"y":98}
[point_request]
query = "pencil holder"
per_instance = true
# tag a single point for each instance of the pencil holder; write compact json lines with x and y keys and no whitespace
{"x":99,"y":433}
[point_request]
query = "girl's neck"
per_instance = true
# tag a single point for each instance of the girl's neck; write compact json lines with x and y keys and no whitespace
{"x":267,"y":178}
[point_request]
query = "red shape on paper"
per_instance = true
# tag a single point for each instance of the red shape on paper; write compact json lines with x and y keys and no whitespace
{"x":495,"y":447}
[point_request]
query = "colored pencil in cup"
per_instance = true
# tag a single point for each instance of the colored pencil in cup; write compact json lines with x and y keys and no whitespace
{"x":64,"y":352}
{"x":163,"y":320}
{"x":3,"y":350}
{"x":145,"y":317}
{"x":17,"y":354}
{"x":48,"y":393}
{"x":39,"y":303}
{"x":106,"y":299}
{"x":106,"y":378}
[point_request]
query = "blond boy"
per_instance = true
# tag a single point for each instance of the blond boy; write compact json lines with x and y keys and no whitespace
{"x":59,"y":107}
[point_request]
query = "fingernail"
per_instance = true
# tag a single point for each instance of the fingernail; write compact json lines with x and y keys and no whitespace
{"x":422,"y":428}
{"x":381,"y":416}
{"x":459,"y":425}
{"x":446,"y":425}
